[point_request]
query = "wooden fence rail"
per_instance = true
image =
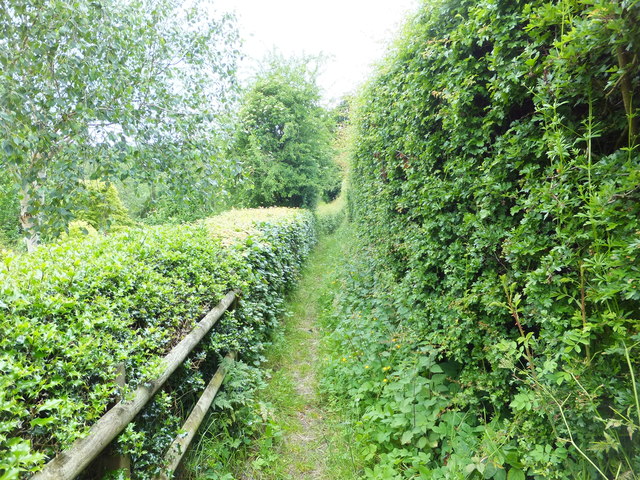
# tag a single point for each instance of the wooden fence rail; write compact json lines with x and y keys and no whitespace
{"x":179,"y":446}
{"x":71,"y":462}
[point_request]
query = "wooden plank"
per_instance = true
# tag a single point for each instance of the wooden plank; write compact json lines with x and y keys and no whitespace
{"x":181,"y":443}
{"x":69,"y":463}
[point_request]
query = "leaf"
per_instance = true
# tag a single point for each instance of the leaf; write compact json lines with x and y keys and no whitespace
{"x":436,"y":369}
{"x":501,"y":474}
{"x":39,"y":422}
{"x":515,"y":474}
{"x":51,"y":404}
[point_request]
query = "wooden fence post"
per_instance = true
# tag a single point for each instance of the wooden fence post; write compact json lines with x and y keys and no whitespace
{"x":181,"y":443}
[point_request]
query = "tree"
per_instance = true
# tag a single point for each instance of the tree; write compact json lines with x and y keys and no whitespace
{"x":9,"y":209}
{"x":284,"y":137}
{"x":107,"y":89}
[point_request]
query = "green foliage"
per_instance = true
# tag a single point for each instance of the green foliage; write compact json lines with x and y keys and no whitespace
{"x":495,"y":184}
{"x":332,"y":186}
{"x":9,"y":211}
{"x":100,"y":206}
{"x":260,"y":440}
{"x":110,"y":89}
{"x":71,"y":312}
{"x":78,"y":229}
{"x":329,"y":216}
{"x":237,"y":416}
{"x":283,"y":138}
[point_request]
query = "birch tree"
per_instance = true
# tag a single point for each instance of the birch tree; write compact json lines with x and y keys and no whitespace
{"x":87,"y":85}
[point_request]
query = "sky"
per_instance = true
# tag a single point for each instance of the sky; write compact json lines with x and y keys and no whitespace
{"x":353,"y":34}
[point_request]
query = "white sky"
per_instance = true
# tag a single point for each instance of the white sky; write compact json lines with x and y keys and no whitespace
{"x":353,"y":34}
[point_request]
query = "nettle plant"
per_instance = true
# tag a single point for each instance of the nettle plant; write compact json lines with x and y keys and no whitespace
{"x":72,"y":312}
{"x":495,"y":185}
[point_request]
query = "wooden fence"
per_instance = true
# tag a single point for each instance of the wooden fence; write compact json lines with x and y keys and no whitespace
{"x":71,"y":462}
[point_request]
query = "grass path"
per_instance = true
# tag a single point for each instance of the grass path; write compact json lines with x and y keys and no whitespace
{"x":284,"y":430}
{"x":299,"y":444}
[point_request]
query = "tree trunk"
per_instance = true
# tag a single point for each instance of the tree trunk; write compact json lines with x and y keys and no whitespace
{"x":29,"y":191}
{"x":27,"y":220}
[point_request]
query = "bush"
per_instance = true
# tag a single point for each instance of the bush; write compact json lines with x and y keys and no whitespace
{"x":495,"y":181}
{"x":99,"y":205}
{"x":72,"y":311}
{"x":329,"y":216}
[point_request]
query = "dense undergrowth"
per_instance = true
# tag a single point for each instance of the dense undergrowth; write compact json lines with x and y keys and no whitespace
{"x":489,"y":325}
{"x":71,"y":312}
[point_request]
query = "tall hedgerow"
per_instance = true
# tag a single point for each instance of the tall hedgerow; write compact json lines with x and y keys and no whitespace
{"x":496,"y":183}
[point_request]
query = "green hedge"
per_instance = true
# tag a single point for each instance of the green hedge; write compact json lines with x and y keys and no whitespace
{"x":329,"y":216}
{"x":71,"y":312}
{"x":496,"y":181}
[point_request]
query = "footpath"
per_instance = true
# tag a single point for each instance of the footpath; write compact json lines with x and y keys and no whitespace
{"x":303,"y":430}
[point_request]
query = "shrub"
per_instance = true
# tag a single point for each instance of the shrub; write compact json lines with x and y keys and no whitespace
{"x":9,"y":211}
{"x":329,"y":216}
{"x":71,"y":312}
{"x":99,"y":205}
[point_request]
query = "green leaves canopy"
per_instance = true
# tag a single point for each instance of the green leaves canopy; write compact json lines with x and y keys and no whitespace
{"x":283,"y":137}
{"x":108,"y":88}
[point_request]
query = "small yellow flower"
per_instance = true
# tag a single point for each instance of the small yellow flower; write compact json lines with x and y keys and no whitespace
{"x":344,"y":359}
{"x":384,"y":369}
{"x":397,"y":346}
{"x":366,"y":366}
{"x":385,"y":380}
{"x":394,"y":340}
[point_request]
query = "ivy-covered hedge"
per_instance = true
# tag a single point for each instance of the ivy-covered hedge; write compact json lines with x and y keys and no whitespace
{"x":71,"y":312}
{"x":496,"y":181}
